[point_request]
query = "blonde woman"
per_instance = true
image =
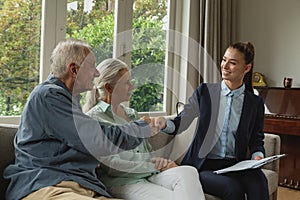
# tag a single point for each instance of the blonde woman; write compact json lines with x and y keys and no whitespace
{"x":134,"y":174}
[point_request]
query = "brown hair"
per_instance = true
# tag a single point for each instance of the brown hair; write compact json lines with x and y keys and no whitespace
{"x":247,"y":49}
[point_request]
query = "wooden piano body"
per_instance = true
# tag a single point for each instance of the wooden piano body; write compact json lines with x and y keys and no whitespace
{"x":282,"y":117}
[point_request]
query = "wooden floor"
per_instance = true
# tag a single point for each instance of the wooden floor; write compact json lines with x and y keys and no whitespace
{"x":288,"y":194}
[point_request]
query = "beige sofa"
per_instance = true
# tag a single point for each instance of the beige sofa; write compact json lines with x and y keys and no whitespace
{"x":164,"y":144}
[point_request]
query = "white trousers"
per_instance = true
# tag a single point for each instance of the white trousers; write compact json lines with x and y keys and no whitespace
{"x":177,"y":183}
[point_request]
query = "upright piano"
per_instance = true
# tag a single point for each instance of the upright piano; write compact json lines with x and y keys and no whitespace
{"x":282,"y":117}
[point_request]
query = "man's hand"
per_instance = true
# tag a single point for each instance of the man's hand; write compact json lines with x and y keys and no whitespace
{"x":163,"y":164}
{"x":155,"y":123}
{"x":146,"y":119}
{"x":159,"y":122}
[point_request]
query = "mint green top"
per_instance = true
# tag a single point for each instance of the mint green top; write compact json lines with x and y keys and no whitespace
{"x":127,"y":167}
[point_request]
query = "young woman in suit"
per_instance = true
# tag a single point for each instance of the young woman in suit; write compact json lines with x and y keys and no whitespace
{"x":230,"y":121}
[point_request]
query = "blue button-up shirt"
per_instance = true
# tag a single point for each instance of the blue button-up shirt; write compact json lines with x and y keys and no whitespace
{"x":228,"y":151}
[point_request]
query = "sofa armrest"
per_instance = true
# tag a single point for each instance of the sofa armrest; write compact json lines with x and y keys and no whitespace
{"x":7,"y":134}
{"x":272,"y":147}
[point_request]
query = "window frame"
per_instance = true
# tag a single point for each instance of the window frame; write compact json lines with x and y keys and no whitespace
{"x":53,"y":30}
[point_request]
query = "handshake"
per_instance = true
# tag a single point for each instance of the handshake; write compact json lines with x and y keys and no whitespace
{"x":155,"y":123}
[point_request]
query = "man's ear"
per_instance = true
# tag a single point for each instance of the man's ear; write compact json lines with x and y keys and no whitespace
{"x":73,"y":69}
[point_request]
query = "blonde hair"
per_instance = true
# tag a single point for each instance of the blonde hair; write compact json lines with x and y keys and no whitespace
{"x":109,"y":70}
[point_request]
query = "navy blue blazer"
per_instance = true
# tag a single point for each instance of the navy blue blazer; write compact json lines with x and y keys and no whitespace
{"x":204,"y":105}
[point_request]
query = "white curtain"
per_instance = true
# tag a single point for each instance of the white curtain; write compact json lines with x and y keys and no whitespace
{"x":199,"y":32}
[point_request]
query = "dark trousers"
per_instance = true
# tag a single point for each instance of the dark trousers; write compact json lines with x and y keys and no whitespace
{"x":233,"y":185}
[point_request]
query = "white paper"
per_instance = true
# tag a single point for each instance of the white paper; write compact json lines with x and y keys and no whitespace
{"x":249,"y":164}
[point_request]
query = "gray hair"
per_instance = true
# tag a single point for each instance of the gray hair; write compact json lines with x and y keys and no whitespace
{"x":109,"y":70}
{"x":66,"y":52}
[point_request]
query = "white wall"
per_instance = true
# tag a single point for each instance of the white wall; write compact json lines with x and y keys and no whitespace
{"x":274,"y":28}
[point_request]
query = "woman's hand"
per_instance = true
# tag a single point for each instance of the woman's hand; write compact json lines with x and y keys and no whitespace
{"x":170,"y":165}
{"x":257,"y":158}
{"x":163,"y":164}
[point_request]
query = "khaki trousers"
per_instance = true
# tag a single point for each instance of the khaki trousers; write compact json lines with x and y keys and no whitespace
{"x":65,"y":190}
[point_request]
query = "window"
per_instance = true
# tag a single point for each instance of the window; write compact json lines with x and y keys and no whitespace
{"x":148,"y":54}
{"x":93,"y":21}
{"x":20,"y":53}
{"x":31,"y":29}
